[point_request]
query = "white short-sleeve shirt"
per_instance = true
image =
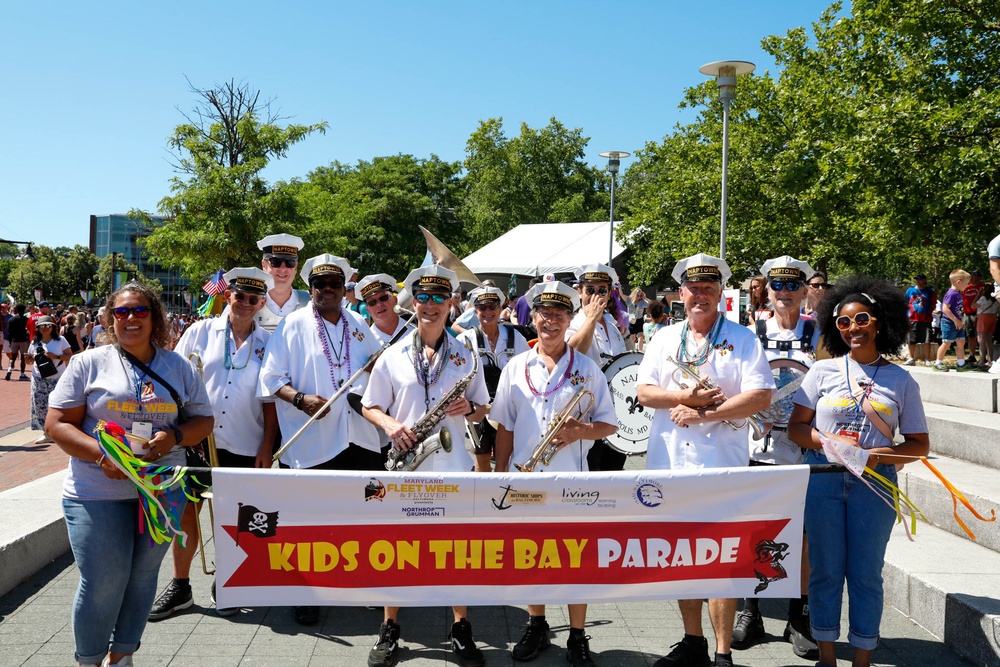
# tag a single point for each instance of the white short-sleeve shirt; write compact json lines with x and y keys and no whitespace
{"x":608,"y":341}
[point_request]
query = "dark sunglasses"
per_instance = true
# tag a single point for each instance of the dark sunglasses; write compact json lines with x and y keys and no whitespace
{"x":790,"y":285}
{"x":602,"y":291}
{"x":319,"y":283}
{"x":276,"y":262}
{"x":819,"y":285}
{"x":424,"y":297}
{"x":861,"y":320}
{"x":489,"y":305}
{"x":380,"y":299}
{"x":252,"y":299}
{"x":122,"y":312}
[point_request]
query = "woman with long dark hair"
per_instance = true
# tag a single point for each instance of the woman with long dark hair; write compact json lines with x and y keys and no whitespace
{"x":858,"y":395}
{"x":52,"y":353}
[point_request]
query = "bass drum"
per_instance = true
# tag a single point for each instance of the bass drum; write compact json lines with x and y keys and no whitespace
{"x":634,"y":420}
{"x":788,"y":375}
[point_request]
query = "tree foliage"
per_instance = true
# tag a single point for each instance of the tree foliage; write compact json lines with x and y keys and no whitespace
{"x":60,"y":273}
{"x":220,"y":204}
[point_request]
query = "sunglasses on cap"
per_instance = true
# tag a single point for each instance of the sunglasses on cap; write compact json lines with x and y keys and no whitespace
{"x":276,"y":262}
{"x":601,"y":291}
{"x":790,"y":285}
{"x":861,"y":320}
{"x":252,"y":299}
{"x":122,"y":312}
{"x":322,"y":283}
{"x":424,"y":297}
{"x":382,"y":298}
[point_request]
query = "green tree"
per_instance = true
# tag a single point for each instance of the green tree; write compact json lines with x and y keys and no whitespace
{"x":220,"y":204}
{"x":537,"y":176}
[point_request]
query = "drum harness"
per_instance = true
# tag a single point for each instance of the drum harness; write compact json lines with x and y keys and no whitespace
{"x":802,"y":344}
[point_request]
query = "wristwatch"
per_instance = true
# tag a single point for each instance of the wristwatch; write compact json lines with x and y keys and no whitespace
{"x":178,"y":435}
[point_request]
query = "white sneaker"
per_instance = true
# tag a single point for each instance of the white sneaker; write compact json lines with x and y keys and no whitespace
{"x":44,"y":440}
{"x":910,"y":362}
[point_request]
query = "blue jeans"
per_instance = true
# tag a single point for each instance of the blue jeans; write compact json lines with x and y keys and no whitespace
{"x":118,"y":571}
{"x":848,"y":528}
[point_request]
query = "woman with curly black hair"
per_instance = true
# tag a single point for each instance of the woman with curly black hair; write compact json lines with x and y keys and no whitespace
{"x":860,"y":396}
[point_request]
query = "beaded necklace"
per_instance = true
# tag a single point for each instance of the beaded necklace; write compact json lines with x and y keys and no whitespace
{"x":343,"y":357}
{"x":230,"y":361}
{"x":702,"y":355}
{"x":562,"y":380}
{"x":422,"y":367}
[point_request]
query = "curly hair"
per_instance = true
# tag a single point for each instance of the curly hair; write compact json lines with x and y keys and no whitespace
{"x":161,"y":329}
{"x":886,"y":303}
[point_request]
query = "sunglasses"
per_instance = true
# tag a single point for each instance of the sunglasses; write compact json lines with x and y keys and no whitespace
{"x":424,"y":297}
{"x":380,"y":299}
{"x":46,"y":326}
{"x":790,"y":285}
{"x":819,"y":285}
{"x":861,"y":320}
{"x":276,"y":262}
{"x":601,"y":291}
{"x":122,"y":312}
{"x":490,"y":305}
{"x":319,"y":283}
{"x":252,"y":299}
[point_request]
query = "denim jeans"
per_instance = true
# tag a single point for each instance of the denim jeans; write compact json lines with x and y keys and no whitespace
{"x":848,"y":528}
{"x":118,"y":571}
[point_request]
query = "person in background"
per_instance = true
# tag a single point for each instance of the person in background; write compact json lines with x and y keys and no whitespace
{"x":46,"y":344}
{"x":817,"y":285}
{"x":952,"y":325}
{"x":69,"y":333}
{"x":657,"y":320}
{"x":921,"y":300}
{"x":970,"y":295}
{"x":986,"y":322}
{"x":757,"y":307}
{"x":281,"y":257}
{"x":17,"y":333}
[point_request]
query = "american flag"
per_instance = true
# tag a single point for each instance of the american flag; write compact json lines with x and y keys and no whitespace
{"x":216,"y":284}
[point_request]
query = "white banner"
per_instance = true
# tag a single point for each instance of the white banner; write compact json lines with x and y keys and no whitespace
{"x":297,"y":537}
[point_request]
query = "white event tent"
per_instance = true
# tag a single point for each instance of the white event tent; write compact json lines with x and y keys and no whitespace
{"x":537,"y":249}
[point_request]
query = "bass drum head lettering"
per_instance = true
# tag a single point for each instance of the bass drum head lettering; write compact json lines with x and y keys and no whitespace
{"x":634,"y":420}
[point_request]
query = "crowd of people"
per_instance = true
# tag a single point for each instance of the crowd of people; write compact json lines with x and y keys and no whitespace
{"x":258,"y":379}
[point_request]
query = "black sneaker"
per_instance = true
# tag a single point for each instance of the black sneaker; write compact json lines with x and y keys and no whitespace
{"x":307,"y":615}
{"x":7,"y":377}
{"x":723,"y":660}
{"x":383,"y":654}
{"x":463,"y":645}
{"x":749,"y":630}
{"x":227,"y":611}
{"x":175,"y":598}
{"x":803,"y":644}
{"x":534,"y":641}
{"x":689,"y":652}
{"x":578,"y":651}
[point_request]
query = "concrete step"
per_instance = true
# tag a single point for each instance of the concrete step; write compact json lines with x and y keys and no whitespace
{"x":949,"y":586}
{"x":961,"y":433}
{"x":971,"y":390}
{"x":978,"y":483}
{"x":32,"y":531}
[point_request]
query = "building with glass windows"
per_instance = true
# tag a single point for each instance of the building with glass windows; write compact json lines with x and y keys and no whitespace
{"x":118,"y":233}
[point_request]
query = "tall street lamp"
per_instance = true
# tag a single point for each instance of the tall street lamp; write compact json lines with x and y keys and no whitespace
{"x":725,"y":73}
{"x":614,"y":161}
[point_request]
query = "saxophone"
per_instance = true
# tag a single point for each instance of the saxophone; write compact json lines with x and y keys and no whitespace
{"x":427,"y":444}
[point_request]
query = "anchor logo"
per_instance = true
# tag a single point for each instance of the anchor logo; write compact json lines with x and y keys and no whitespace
{"x":502,"y":505}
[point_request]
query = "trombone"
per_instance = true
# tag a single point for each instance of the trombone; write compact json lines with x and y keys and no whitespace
{"x":213,"y":460}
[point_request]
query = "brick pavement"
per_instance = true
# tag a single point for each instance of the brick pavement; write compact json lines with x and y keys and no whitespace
{"x":21,"y":460}
{"x":14,"y":401}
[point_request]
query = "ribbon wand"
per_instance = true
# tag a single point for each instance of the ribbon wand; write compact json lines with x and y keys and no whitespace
{"x":340,"y":392}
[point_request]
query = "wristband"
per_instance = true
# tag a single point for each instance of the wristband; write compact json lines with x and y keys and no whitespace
{"x":472,"y":408}
{"x":100,"y":460}
{"x":178,"y":435}
{"x":297,"y":400}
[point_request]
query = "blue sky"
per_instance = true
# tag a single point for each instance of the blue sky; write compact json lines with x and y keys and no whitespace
{"x":90,"y":91}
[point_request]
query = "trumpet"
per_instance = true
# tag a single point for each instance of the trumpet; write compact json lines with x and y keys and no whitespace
{"x":687,"y":370}
{"x":213,"y":460}
{"x":545,"y":450}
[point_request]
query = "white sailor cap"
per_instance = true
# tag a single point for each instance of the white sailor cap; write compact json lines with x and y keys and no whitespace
{"x":597,"y":273}
{"x":281,"y":245}
{"x":554,"y":293}
{"x":483,"y":294}
{"x":326,"y":265}
{"x":374,"y":284}
{"x":432,"y":277}
{"x":249,"y":279}
{"x":702,"y":268}
{"x":786,"y":267}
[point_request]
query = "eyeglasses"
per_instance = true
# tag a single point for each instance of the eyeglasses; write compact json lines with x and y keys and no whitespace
{"x":552,"y":313}
{"x":252,"y":299}
{"x":319,"y":283}
{"x":601,"y":291}
{"x":276,"y":262}
{"x":424,"y":297}
{"x":489,"y":305}
{"x":790,"y":285}
{"x":818,"y":285}
{"x":381,"y":299}
{"x":122,"y":312}
{"x":861,"y":320}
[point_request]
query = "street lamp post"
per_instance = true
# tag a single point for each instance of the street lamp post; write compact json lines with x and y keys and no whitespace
{"x":614,"y":161}
{"x":725,"y":73}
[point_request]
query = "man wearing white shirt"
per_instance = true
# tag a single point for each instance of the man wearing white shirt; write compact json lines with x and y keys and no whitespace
{"x":378,"y":293}
{"x":689,"y":429}
{"x":281,"y":258}
{"x":535,"y":387}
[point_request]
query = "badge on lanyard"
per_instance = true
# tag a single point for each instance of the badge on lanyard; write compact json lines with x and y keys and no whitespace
{"x":852,"y":430}
{"x":142,"y":429}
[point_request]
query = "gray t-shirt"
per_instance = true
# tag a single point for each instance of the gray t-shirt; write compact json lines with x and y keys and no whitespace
{"x":894,"y":394}
{"x":113,"y":391}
